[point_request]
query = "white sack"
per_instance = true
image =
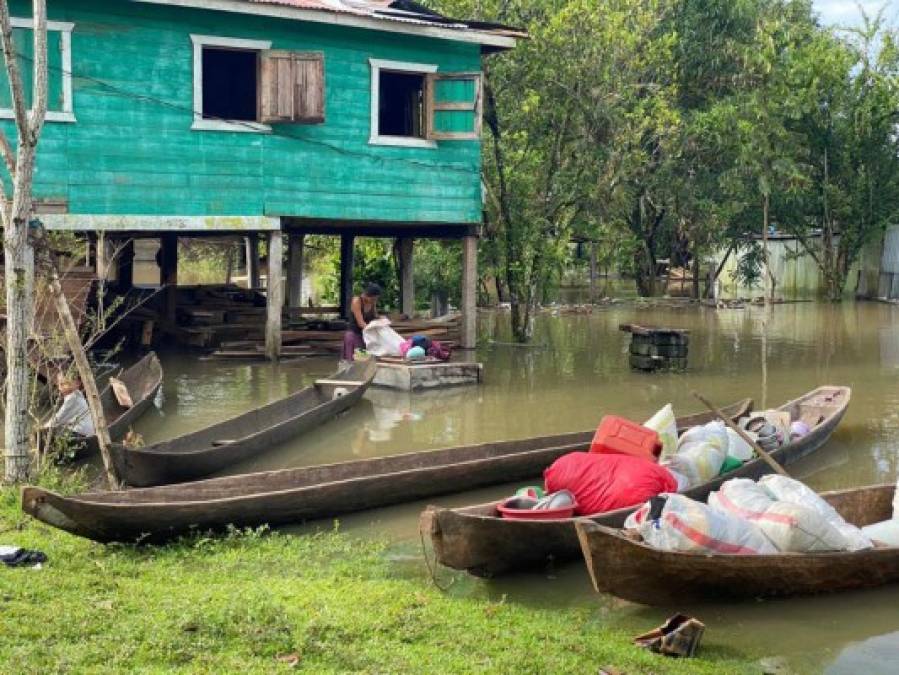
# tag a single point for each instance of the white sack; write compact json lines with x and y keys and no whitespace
{"x":737,"y":447}
{"x":714,"y":433}
{"x":380,"y":339}
{"x":786,"y":489}
{"x":665,"y":425}
{"x":741,"y":497}
{"x":692,"y":527}
{"x":796,"y":528}
{"x":886,"y":532}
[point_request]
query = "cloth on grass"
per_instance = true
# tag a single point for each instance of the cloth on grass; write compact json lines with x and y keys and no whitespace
{"x":13,"y":556}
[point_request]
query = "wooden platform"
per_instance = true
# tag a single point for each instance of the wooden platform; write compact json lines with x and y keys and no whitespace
{"x":430,"y":375}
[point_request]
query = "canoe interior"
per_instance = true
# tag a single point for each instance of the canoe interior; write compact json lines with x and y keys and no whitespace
{"x":637,"y":572}
{"x":821,"y":409}
{"x":273,"y":481}
{"x":262,"y":418}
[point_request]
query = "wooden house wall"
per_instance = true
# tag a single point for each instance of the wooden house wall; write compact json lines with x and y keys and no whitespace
{"x":132,"y":151}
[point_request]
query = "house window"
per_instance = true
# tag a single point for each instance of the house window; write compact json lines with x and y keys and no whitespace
{"x":399,"y":106}
{"x":226,"y":83}
{"x":59,"y":69}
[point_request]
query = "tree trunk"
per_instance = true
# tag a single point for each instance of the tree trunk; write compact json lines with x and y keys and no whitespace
{"x":19,"y":261}
{"x":765,"y":263}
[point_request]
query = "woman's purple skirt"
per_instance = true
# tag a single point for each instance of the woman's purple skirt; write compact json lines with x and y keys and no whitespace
{"x":351,"y":342}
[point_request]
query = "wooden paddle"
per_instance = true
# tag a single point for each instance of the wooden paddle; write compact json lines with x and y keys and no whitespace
{"x":742,"y":434}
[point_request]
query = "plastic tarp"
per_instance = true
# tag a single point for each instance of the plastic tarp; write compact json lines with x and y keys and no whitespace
{"x":602,"y":482}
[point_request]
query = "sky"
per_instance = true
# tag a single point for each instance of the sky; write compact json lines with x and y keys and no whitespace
{"x":843,"y":12}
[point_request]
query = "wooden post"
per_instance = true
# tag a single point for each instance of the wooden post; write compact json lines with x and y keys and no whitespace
{"x":469,"y":292}
{"x":295,"y":244}
{"x":346,"y":273}
{"x":168,"y":274}
{"x":124,"y":253}
{"x":274,"y":296}
{"x":252,"y":244}
{"x":103,"y":257}
{"x":407,"y":280}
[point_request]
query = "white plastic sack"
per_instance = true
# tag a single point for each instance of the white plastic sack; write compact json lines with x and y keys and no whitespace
{"x":665,"y":425}
{"x":689,"y":526}
{"x":786,"y":489}
{"x":699,"y":462}
{"x":737,"y":447}
{"x":886,"y":532}
{"x":796,"y":528}
{"x":714,"y":433}
{"x":741,"y":497}
{"x":380,"y":339}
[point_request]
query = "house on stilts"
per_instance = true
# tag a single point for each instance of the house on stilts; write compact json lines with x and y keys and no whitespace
{"x":263,"y":119}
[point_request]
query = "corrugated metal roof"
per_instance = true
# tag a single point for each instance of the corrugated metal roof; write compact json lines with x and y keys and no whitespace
{"x":392,"y":10}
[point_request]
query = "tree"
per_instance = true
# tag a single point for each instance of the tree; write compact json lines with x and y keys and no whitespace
{"x":15,"y":213}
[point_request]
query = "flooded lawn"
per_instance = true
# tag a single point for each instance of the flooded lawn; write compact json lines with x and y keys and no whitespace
{"x":576,"y":372}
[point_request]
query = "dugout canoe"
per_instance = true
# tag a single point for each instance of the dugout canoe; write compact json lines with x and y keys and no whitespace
{"x":221,"y":445}
{"x":637,"y":572}
{"x":142,"y":381}
{"x":157,"y":514}
{"x":477,"y":540}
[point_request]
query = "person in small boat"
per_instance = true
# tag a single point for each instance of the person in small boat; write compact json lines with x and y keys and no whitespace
{"x":363,"y":310}
{"x":73,"y":415}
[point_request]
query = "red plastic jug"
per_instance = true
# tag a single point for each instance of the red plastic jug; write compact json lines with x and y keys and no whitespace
{"x":619,"y":436}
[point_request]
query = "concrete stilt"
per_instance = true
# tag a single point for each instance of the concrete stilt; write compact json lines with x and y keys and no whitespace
{"x":295,"y":270}
{"x":407,"y":281}
{"x":469,"y":292}
{"x":274,"y":296}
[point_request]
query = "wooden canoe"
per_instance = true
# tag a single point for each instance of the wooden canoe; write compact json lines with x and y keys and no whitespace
{"x":214,"y":448}
{"x":143,"y":381}
{"x":295,"y":495}
{"x":476,"y":539}
{"x":637,"y":572}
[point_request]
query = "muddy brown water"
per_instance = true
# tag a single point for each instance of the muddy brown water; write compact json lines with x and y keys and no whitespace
{"x":576,"y":372}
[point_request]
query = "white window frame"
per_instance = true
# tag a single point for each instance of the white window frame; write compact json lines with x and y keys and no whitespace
{"x":201,"y":124}
{"x":64,"y":28}
{"x":377,"y":65}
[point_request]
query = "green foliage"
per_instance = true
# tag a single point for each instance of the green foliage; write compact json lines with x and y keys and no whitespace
{"x":260,"y":602}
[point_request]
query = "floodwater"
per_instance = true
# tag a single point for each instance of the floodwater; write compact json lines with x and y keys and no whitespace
{"x":575,"y":372}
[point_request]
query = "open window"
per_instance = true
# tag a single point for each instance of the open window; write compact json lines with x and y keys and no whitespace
{"x":244,"y":85}
{"x":455,"y":104}
{"x":414,"y":105}
{"x":59,"y":69}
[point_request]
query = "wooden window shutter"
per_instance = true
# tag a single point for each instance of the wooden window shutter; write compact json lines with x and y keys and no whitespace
{"x":454,"y":106}
{"x":291,"y":87}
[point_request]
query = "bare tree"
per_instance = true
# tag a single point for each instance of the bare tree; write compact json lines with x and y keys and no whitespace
{"x":15,"y":213}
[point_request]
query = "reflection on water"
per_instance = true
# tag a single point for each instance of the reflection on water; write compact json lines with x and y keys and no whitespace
{"x":580,"y":373}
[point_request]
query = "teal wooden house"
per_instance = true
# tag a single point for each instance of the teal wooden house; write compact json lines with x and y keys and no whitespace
{"x":263,"y":118}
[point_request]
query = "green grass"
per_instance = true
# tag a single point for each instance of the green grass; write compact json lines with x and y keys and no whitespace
{"x":252,"y":601}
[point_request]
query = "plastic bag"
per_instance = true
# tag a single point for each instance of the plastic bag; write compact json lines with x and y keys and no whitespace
{"x":665,"y":425}
{"x":886,"y":532}
{"x":698,"y":462}
{"x":381,"y":340}
{"x":737,"y":447}
{"x":714,"y":433}
{"x":602,"y":482}
{"x":796,"y":528}
{"x":693,"y":527}
{"x":786,"y":489}
{"x":741,"y":497}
